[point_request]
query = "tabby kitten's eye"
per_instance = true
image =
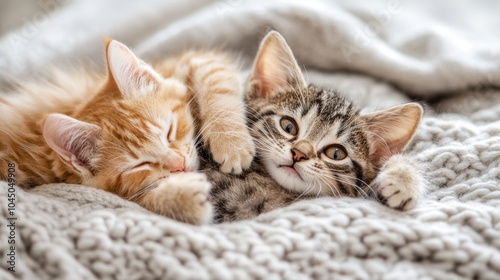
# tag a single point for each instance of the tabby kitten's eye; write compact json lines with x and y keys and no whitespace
{"x":289,"y":126}
{"x":335,"y":152}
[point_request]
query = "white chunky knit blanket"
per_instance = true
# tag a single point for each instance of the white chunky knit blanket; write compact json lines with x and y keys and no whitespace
{"x":388,"y":50}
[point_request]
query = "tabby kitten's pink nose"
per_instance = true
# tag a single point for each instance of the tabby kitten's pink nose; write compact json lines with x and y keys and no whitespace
{"x":298,"y":155}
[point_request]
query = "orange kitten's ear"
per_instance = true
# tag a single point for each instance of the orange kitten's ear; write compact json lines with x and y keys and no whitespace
{"x":391,"y":130}
{"x":275,"y":67}
{"x":132,"y":76}
{"x":75,"y":142}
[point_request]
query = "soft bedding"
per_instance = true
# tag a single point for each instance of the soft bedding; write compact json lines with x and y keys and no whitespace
{"x":379,"y":53}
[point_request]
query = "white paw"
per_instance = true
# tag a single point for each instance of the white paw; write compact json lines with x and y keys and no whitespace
{"x":399,"y":184}
{"x":193,"y":180}
{"x":234,"y":153}
{"x":191,"y":200}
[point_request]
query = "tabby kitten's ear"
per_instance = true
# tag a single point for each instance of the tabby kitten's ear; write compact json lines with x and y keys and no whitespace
{"x":275,"y":67}
{"x":75,"y":142}
{"x":391,"y":130}
{"x":132,"y":76}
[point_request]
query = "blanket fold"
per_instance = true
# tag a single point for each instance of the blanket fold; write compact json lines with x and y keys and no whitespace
{"x":377,"y":53}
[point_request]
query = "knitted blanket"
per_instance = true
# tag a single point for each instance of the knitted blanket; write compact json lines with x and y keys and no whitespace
{"x":447,"y":52}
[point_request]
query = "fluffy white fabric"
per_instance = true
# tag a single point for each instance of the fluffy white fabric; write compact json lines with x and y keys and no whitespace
{"x":424,"y":49}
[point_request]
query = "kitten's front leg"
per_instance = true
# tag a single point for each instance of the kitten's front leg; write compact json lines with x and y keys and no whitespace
{"x":399,"y":183}
{"x":222,"y":111}
{"x":183,"y":196}
{"x":231,"y":145}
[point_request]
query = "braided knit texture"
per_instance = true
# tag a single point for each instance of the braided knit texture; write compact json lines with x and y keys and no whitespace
{"x":423,"y":48}
{"x":453,"y":233}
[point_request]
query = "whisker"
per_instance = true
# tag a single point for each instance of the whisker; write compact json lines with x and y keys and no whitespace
{"x":143,"y":190}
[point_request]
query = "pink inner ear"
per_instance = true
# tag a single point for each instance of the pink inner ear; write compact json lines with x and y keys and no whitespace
{"x":392,"y":130}
{"x":385,"y":149}
{"x":275,"y":66}
{"x":132,"y":76}
{"x":74,"y":141}
{"x":264,"y":84}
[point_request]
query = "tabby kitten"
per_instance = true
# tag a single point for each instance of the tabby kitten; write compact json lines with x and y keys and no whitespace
{"x":313,"y":142}
{"x":127,"y":132}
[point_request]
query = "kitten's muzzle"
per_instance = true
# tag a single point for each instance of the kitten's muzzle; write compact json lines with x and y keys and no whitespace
{"x":298,"y":155}
{"x":291,"y":168}
{"x":302,"y":150}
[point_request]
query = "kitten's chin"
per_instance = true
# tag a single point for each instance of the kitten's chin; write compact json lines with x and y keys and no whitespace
{"x":292,"y":179}
{"x":287,"y":177}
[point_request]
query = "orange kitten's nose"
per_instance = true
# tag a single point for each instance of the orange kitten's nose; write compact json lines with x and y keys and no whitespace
{"x":174,"y":162}
{"x":179,"y":166}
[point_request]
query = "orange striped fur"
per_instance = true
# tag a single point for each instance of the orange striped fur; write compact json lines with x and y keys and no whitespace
{"x":131,"y":128}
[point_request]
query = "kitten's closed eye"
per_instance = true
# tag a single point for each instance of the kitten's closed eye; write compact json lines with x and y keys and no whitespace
{"x":143,"y":164}
{"x":172,"y":130}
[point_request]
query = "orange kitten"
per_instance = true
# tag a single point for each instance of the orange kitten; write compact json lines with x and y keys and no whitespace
{"x":125,"y":132}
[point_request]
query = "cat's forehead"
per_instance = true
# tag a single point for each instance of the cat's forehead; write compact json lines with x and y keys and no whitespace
{"x":173,"y":89}
{"x":328,"y":105}
{"x":138,"y":123}
{"x":322,"y":115}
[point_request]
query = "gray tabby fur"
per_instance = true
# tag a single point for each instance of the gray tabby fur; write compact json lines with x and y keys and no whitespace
{"x":372,"y":168}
